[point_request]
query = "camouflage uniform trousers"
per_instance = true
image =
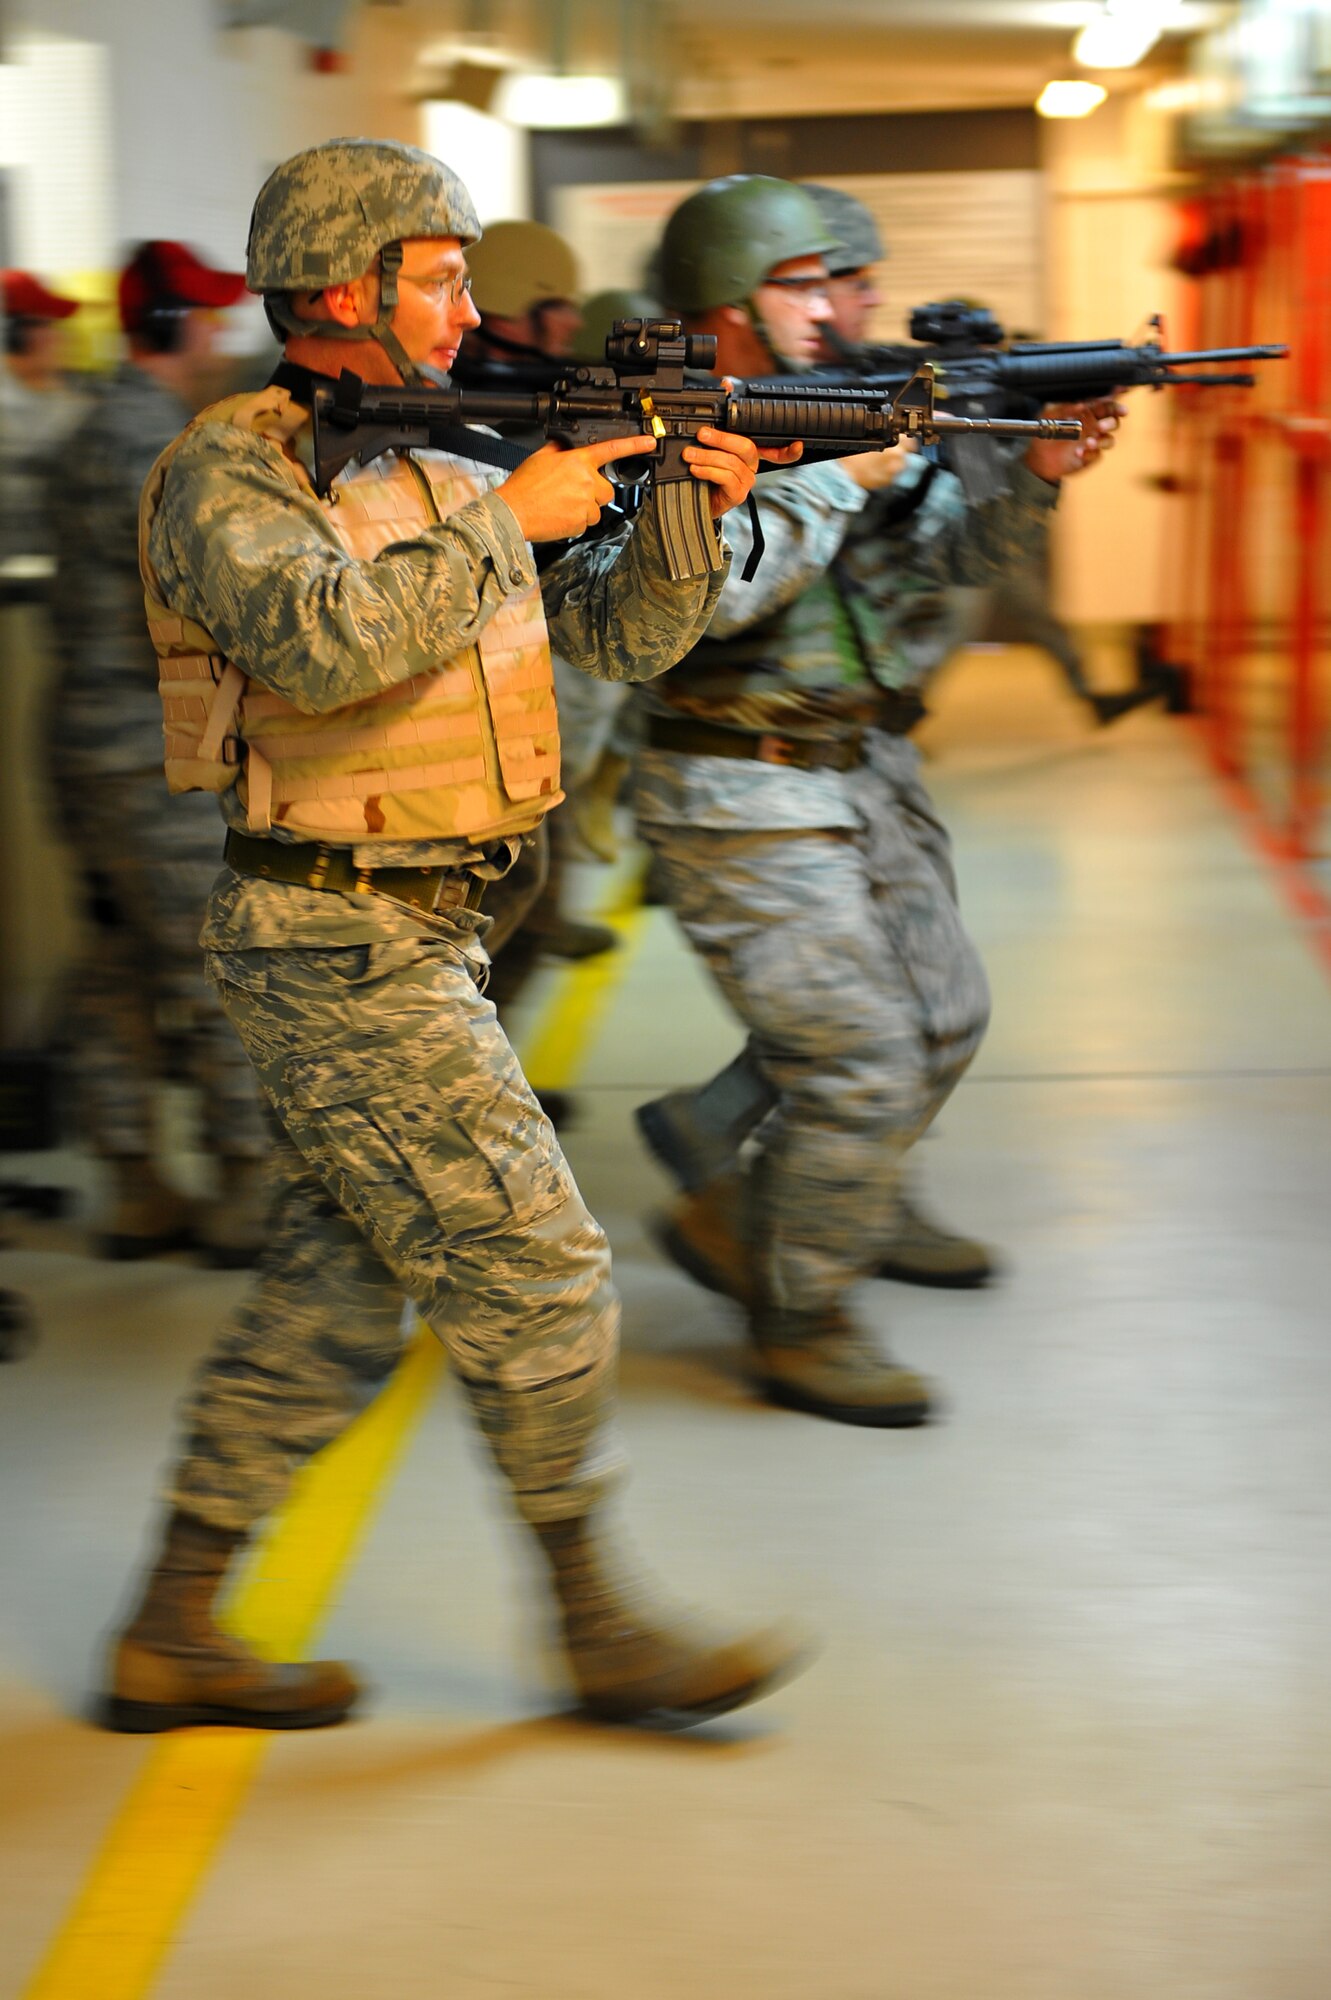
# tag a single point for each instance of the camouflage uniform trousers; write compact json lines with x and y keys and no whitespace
{"x":843,"y":952}
{"x":416,"y":1162}
{"x":149,"y":861}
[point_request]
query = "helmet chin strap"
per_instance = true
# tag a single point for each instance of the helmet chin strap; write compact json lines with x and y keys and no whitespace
{"x":284,"y":322}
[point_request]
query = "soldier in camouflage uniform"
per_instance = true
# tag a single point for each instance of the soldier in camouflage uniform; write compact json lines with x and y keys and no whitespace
{"x":781,"y":797}
{"x":524,"y":284}
{"x":392,"y":742}
{"x":148,"y":860}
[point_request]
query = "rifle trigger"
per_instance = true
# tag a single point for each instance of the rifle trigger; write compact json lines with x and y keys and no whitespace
{"x":755,"y":556}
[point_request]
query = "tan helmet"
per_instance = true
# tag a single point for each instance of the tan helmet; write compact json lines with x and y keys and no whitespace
{"x":520,"y":265}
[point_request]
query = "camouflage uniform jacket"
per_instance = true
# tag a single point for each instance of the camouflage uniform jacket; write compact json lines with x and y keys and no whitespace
{"x":34,"y":425}
{"x":258,"y":565}
{"x":106,"y":716}
{"x":851,"y":591}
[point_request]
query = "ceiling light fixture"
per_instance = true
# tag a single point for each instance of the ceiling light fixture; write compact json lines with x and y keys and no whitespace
{"x":1119,"y":35}
{"x":1069,"y":99}
{"x":560,"y":103}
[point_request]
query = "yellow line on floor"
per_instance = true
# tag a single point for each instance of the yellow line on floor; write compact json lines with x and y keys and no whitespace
{"x":154,"y":1858}
{"x":564,"y":1037}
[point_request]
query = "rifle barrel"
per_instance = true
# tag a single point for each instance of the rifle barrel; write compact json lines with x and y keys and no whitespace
{"x":1279,"y":353}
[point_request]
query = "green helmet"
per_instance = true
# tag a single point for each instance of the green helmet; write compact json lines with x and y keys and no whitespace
{"x":858,"y":240}
{"x":600,"y":313}
{"x":521,"y":265}
{"x":721,"y":242}
{"x":325,"y":217}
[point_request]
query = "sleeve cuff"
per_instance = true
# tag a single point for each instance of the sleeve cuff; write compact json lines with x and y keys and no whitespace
{"x":492,"y":522}
{"x":1028,"y":486}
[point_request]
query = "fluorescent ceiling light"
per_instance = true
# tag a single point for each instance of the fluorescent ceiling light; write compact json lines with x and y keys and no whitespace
{"x":550,"y":103}
{"x":1119,"y":35}
{"x":1070,"y":100}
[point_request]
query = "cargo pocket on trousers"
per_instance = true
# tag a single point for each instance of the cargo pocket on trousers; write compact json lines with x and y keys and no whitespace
{"x":405,"y":1142}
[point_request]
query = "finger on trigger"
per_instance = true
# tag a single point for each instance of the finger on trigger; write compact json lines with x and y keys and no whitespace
{"x":625,"y":447}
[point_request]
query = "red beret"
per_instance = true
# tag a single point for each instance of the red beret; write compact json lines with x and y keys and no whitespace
{"x":166,"y":275}
{"x":27,"y":297}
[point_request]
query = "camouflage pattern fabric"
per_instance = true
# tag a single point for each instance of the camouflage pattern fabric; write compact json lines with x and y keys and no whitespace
{"x":420,"y":1164}
{"x":824,"y":903}
{"x":106,"y":714}
{"x":149,"y":861}
{"x":843,"y":952}
{"x":850,"y":594}
{"x":35,"y":424}
{"x":257,"y":564}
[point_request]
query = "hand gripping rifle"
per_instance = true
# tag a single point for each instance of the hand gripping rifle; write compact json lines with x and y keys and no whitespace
{"x":976,"y":376}
{"x":643,"y":391}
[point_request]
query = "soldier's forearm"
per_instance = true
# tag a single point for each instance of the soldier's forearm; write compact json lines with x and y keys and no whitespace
{"x":615,"y":612}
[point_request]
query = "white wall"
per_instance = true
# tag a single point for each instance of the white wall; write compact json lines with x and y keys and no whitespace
{"x":1108,"y":242}
{"x":181,"y":127}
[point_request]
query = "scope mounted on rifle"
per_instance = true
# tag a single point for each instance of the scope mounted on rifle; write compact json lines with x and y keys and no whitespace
{"x":648,"y":345}
{"x":953,"y":323}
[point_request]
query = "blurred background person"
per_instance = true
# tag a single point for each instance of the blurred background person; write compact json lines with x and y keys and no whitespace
{"x":524,"y":285}
{"x":799,"y":850}
{"x":39,"y":406}
{"x":139,"y":1007}
{"x":1017,"y":607}
{"x":597,"y":722}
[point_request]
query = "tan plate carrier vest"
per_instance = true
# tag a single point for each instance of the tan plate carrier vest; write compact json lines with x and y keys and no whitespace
{"x":469,"y":749}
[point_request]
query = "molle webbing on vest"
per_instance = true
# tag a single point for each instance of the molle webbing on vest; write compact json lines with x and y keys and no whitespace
{"x":469,"y":749}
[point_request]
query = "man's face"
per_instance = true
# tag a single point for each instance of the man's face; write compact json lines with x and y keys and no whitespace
{"x":433,"y":311}
{"x":855,"y":298}
{"x":793,"y":303}
{"x":200,"y":330}
{"x":555,"y":325}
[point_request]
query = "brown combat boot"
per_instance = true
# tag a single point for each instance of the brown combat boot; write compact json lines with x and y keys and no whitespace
{"x":924,"y":1253}
{"x":630,"y":1664}
{"x":173,"y":1667}
{"x":825,"y":1364}
{"x":229,"y":1229}
{"x":147,"y":1217}
{"x":706,"y":1235}
{"x":591,"y":806}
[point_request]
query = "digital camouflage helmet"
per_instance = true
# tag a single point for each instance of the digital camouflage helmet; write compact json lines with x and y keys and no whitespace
{"x":858,"y":240}
{"x":328,"y":215}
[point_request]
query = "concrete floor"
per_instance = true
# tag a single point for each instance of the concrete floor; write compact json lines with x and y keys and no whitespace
{"x":1069,"y":1737}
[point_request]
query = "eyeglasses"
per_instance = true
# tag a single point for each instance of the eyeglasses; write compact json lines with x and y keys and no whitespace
{"x":451,"y":291}
{"x":804,"y":288}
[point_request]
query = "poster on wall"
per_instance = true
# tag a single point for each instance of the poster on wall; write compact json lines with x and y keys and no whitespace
{"x":964,"y":235}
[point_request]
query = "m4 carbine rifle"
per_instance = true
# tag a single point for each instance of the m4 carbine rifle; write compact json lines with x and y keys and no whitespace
{"x":976,"y":375}
{"x":644,"y":390}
